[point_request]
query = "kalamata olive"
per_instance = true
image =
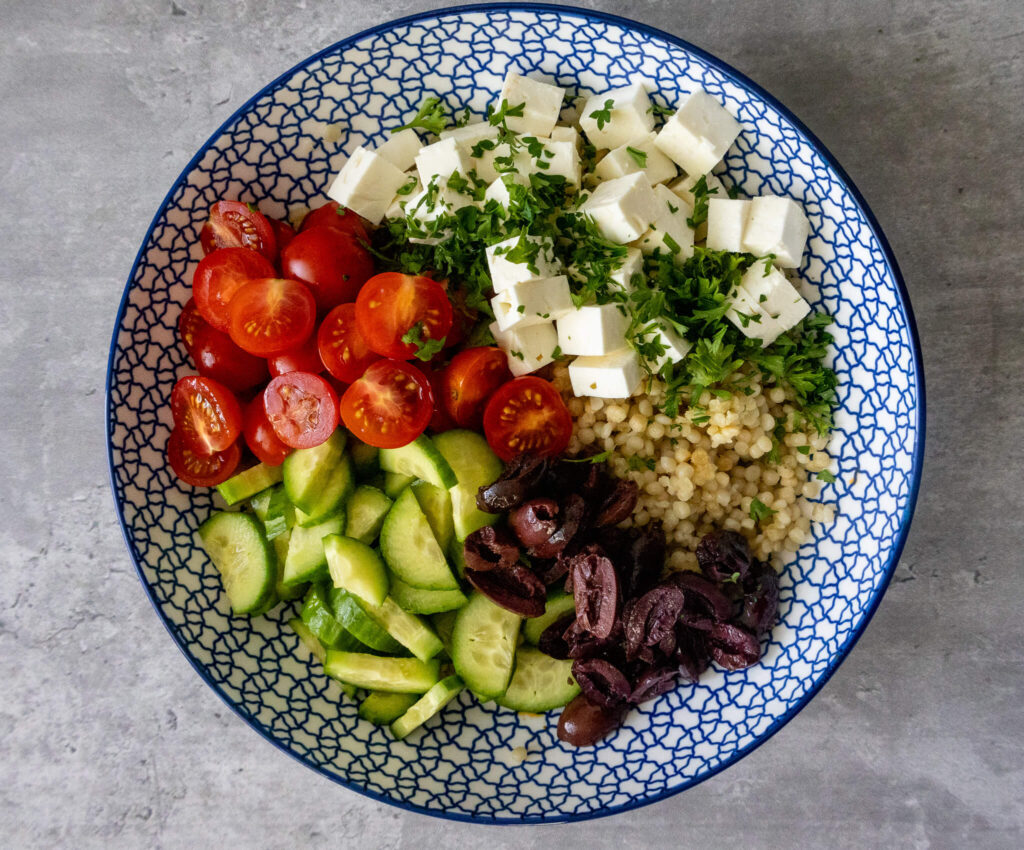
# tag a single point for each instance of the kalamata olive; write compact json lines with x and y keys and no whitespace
{"x":515,"y":486}
{"x":692,"y":652}
{"x":651,"y":618}
{"x":583,"y":723}
{"x":601,"y":681}
{"x":645,"y":559}
{"x":653,"y":682}
{"x":617,"y":504}
{"x":552,"y":640}
{"x":705,"y":603}
{"x":534,"y":521}
{"x":490,"y":547}
{"x":596,"y":590}
{"x":761,"y":599}
{"x":724,"y":555}
{"x":514,"y":587}
{"x":572,"y":513}
{"x":733,"y":647}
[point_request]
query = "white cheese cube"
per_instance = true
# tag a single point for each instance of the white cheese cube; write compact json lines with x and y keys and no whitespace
{"x":559,"y":159}
{"x":532,"y":302}
{"x":766,"y":306}
{"x":727,"y":219}
{"x":367,"y":184}
{"x":632,"y":264}
{"x":440,"y":160}
{"x":675,"y":347}
{"x":629,"y":116}
{"x":683,"y":187}
{"x":489,"y":169}
{"x":669,"y":233}
{"x":427,"y":207}
{"x":567,"y":134}
{"x":622,"y":208}
{"x":401,"y":149}
{"x":776,"y":226}
{"x":506,"y":273}
{"x":593,"y":330}
{"x":615,"y":375}
{"x":498,"y":191}
{"x":638,"y":155}
{"x":697,"y":136}
{"x":541,"y":104}
{"x":468,"y":136}
{"x":527,"y":348}
{"x":401,"y":200}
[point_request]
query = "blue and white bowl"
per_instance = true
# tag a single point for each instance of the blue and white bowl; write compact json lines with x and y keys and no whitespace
{"x":280,"y":150}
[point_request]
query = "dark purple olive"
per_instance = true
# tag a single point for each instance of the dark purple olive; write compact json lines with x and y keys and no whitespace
{"x":692,"y":653}
{"x":704,"y":599}
{"x":724,"y":556}
{"x":645,"y":559}
{"x":761,"y":600}
{"x":596,"y":589}
{"x":617,"y":504}
{"x":515,"y":588}
{"x":516,"y":484}
{"x":583,"y":724}
{"x":572,"y":514}
{"x":490,"y":547}
{"x":601,"y":681}
{"x":733,"y":647}
{"x":533,"y":522}
{"x":552,"y":640}
{"x":582,"y":644}
{"x":653,"y":682}
{"x":651,"y":618}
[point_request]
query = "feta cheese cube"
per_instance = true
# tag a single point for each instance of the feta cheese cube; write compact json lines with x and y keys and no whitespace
{"x":622,"y":208}
{"x":440,"y":160}
{"x":675,"y":347}
{"x":498,"y":191}
{"x":776,"y":226}
{"x":401,"y":200}
{"x":541,"y":104}
{"x":627,"y":159}
{"x":630,"y":116}
{"x":559,"y":159}
{"x":489,"y":169}
{"x":506,"y":273}
{"x":527,"y":348}
{"x":427,"y":207}
{"x":367,"y":184}
{"x":697,"y":136}
{"x":593,"y":330}
{"x":727,"y":220}
{"x":615,"y":375}
{"x":401,"y":149}
{"x":683,"y":187}
{"x":532,"y":302}
{"x":632,"y":264}
{"x":766,"y":306}
{"x":669,"y":233}
{"x":466,"y":137}
{"x":567,"y":134}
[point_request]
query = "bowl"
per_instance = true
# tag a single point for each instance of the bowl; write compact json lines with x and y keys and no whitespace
{"x":480,"y":762}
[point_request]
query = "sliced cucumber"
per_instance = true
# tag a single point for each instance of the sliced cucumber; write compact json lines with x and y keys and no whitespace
{"x":308,"y":639}
{"x":484,"y":645}
{"x":382,"y":708}
{"x":273,"y":509}
{"x":339,"y":486}
{"x":380,"y":673}
{"x":364,"y":458}
{"x":246,"y":484}
{"x":409,"y":630}
{"x":355,"y":567}
{"x":395,"y":483}
{"x":559,"y":603}
{"x":242,"y":555}
{"x":427,"y":706}
{"x":410,"y":549}
{"x":306,"y":560}
{"x":443,"y":624}
{"x":457,"y":556}
{"x":539,"y":683}
{"x":283,"y":591}
{"x":475,"y":466}
{"x":352,"y":615}
{"x":420,"y":459}
{"x":436,"y":504}
{"x":318,"y":616}
{"x":416,"y":600}
{"x":364,"y":513}
{"x":306,"y":471}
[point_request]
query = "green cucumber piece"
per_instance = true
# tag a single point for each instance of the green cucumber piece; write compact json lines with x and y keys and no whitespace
{"x":355,"y":567}
{"x":484,"y":645}
{"x":242,"y":555}
{"x":381,"y":673}
{"x":443,"y":624}
{"x":395,"y":483}
{"x":410,"y":548}
{"x":306,"y":471}
{"x":364,"y":513}
{"x":340,"y":483}
{"x":539,"y":683}
{"x":308,"y":639}
{"x":416,"y":600}
{"x":291,"y":591}
{"x":436,"y":504}
{"x":558,"y":604}
{"x":273,"y":509}
{"x":353,"y":616}
{"x":364,"y":458}
{"x":475,"y":466}
{"x":247,"y":484}
{"x":381,"y":707}
{"x":427,"y":706}
{"x":305,"y":560}
{"x":457,"y":557}
{"x":318,"y":616}
{"x":410,"y":631}
{"x":420,"y":459}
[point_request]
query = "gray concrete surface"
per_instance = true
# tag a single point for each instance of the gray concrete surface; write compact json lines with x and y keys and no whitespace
{"x":107,"y":737}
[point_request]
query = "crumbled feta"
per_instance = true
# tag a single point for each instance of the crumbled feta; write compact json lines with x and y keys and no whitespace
{"x":776,"y":226}
{"x":593,"y":329}
{"x":559,"y":159}
{"x":697,"y":136}
{"x":466,"y":137}
{"x":498,"y":191}
{"x":630,"y":116}
{"x":367,"y":184}
{"x":441,"y":160}
{"x":615,"y":375}
{"x":765,"y":306}
{"x":683,"y":187}
{"x":727,"y":220}
{"x":506,"y":273}
{"x":527,"y":348}
{"x":401,"y":148}
{"x":542,"y":104}
{"x":669,"y":233}
{"x":532,"y":302}
{"x":622,"y":208}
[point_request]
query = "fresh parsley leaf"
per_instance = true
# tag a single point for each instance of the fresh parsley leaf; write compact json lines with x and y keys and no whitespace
{"x":658,"y":109}
{"x":701,"y":193}
{"x":598,"y":458}
{"x":431,"y":117}
{"x":603,"y":115}
{"x":639,"y":156}
{"x":409,"y":186}
{"x":637,"y":463}
{"x":499,"y":117}
{"x":425,"y":348}
{"x":671,"y":243}
{"x":759,"y":511}
{"x":556,"y":353}
{"x":827,"y":477}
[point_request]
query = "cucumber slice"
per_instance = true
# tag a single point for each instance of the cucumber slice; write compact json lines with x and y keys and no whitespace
{"x":410,"y":549}
{"x":239,"y":550}
{"x":380,"y":673}
{"x":420,"y":459}
{"x":246,"y":484}
{"x":355,"y":567}
{"x":443,"y":624}
{"x":306,"y":560}
{"x":284,"y":592}
{"x":308,"y":639}
{"x":339,"y":486}
{"x":416,"y":600}
{"x":353,"y":616}
{"x":395,"y":483}
{"x":436,"y":504}
{"x":364,"y":458}
{"x":408,"y":629}
{"x":318,"y":616}
{"x":306,"y":471}
{"x":273,"y":509}
{"x":457,"y":556}
{"x":475,"y":466}
{"x":484,"y":645}
{"x":382,"y":708}
{"x":427,"y":706}
{"x":559,"y":603}
{"x":364,"y":513}
{"x":540,"y":682}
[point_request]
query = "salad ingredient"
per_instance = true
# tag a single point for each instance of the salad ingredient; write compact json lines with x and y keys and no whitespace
{"x":410,"y":549}
{"x":471,"y":378}
{"x":367,"y":184}
{"x":283,"y":232}
{"x":302,"y":408}
{"x":584,"y":723}
{"x":417,"y":600}
{"x":330,"y":262}
{"x":593,"y":330}
{"x":335,"y":216}
{"x":697,"y":135}
{"x":403,"y":316}
{"x":342,"y":347}
{"x":765,"y":305}
{"x":483,"y":645}
{"x":724,"y":555}
{"x":427,"y":706}
{"x":308,"y":639}
{"x":365,"y":512}
{"x":601,"y":682}
{"x":307,"y":472}
{"x":201,"y":470}
{"x":410,"y":631}
{"x":357,"y":568}
{"x":232,"y":224}
{"x":306,"y":559}
{"x":248,"y":483}
{"x":206,"y":414}
{"x":220,"y":275}
{"x":382,"y":707}
{"x":615,"y":375}
{"x":533,"y":522}
{"x":616,"y":117}
{"x":539,"y":683}
{"x":419,"y":459}
{"x":474,"y":465}
{"x":436,"y":504}
{"x":490,"y":548}
{"x":528,"y":348}
{"x":271,"y":315}
{"x":527,"y":415}
{"x":389,"y":405}
{"x":514,"y":587}
{"x":356,"y":620}
{"x":304,"y":358}
{"x":558,"y":605}
{"x":189,"y":322}
{"x":596,"y":590}
{"x":245,"y":561}
{"x":376,"y":672}
{"x":217,"y":357}
{"x":521,"y":477}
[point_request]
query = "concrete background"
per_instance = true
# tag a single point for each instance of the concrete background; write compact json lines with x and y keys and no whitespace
{"x":107,"y":737}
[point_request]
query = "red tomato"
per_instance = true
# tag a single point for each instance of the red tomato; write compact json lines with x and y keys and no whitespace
{"x":260,"y":435}
{"x":217,"y":357}
{"x":206,"y":414}
{"x":302,"y":359}
{"x":463,"y":318}
{"x":233,"y":224}
{"x":389,"y":406}
{"x":342,"y":347}
{"x":331,"y":263}
{"x":220,"y":275}
{"x":332,"y":214}
{"x":283,"y":233}
{"x":527,"y":415}
{"x":188,"y":323}
{"x":469,"y":381}
{"x":201,"y":470}
{"x":272,"y":315}
{"x":391,"y":304}
{"x":302,"y":409}
{"x":440,"y":420}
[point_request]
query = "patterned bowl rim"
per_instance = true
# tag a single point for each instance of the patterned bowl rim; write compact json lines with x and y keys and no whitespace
{"x":892,"y":267}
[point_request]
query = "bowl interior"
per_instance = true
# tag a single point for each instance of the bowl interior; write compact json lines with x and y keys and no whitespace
{"x":481,"y":762}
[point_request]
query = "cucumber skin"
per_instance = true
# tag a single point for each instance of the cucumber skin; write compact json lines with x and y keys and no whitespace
{"x":410,"y":631}
{"x":471,"y":614}
{"x":380,"y":672}
{"x":423,"y":565}
{"x":475,"y":465}
{"x":265,"y":594}
{"x":353,"y":616}
{"x":416,"y":600}
{"x":436,"y":504}
{"x":318,"y":616}
{"x":395,"y":483}
{"x":421,"y":459}
{"x":365,"y":512}
{"x":313,"y":568}
{"x":558,"y":604}
{"x":382,"y":707}
{"x":427,"y":706}
{"x":340,"y":484}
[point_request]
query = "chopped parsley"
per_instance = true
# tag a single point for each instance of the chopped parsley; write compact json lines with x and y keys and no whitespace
{"x":759,"y":511}
{"x":598,"y":458}
{"x":639,"y":156}
{"x":637,"y":463}
{"x":658,"y":109}
{"x":425,"y":348}
{"x":604,"y":115}
{"x":407,"y":188}
{"x":827,"y":477}
{"x":701,"y":192}
{"x":432,"y":117}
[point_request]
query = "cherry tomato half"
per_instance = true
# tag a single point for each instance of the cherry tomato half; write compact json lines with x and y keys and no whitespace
{"x":302,"y":409}
{"x":392,"y":305}
{"x":305,"y":358}
{"x":389,"y":406}
{"x":206,"y":414}
{"x":330,"y":262}
{"x":260,"y":435}
{"x":201,"y":470}
{"x":189,"y":322}
{"x":217,"y":357}
{"x":439,"y":420}
{"x":342,"y":347}
{"x":332,"y":214}
{"x":233,"y":224}
{"x":220,"y":275}
{"x":527,"y":415}
{"x":272,"y":315}
{"x":470,"y":380}
{"x":283,"y":233}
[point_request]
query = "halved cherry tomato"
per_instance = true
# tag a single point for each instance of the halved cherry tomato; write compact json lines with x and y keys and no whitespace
{"x":393,"y":305}
{"x":302,"y":409}
{"x":439,"y":420}
{"x":330,"y":262}
{"x":389,"y":406}
{"x":201,"y":470}
{"x":283,"y":233}
{"x":272,"y":315}
{"x":220,"y":275}
{"x":260,"y":435}
{"x":233,"y":224}
{"x":333,"y":214}
{"x":470,"y":380}
{"x":305,"y":358}
{"x":206,"y":413}
{"x":188,"y":323}
{"x":527,"y":415}
{"x":342,"y":347}
{"x":463,"y":316}
{"x":217,"y":357}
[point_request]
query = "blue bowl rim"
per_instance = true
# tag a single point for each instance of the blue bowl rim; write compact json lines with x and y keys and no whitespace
{"x":893,"y":268}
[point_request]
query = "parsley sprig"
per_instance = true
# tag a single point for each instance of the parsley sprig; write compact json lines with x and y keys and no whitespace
{"x":432,"y":117}
{"x":425,"y":348}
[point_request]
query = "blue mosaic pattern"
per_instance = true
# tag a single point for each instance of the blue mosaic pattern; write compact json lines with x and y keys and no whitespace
{"x":279,"y":151}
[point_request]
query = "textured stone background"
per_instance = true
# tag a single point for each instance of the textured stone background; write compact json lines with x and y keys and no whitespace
{"x":107,"y":737}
